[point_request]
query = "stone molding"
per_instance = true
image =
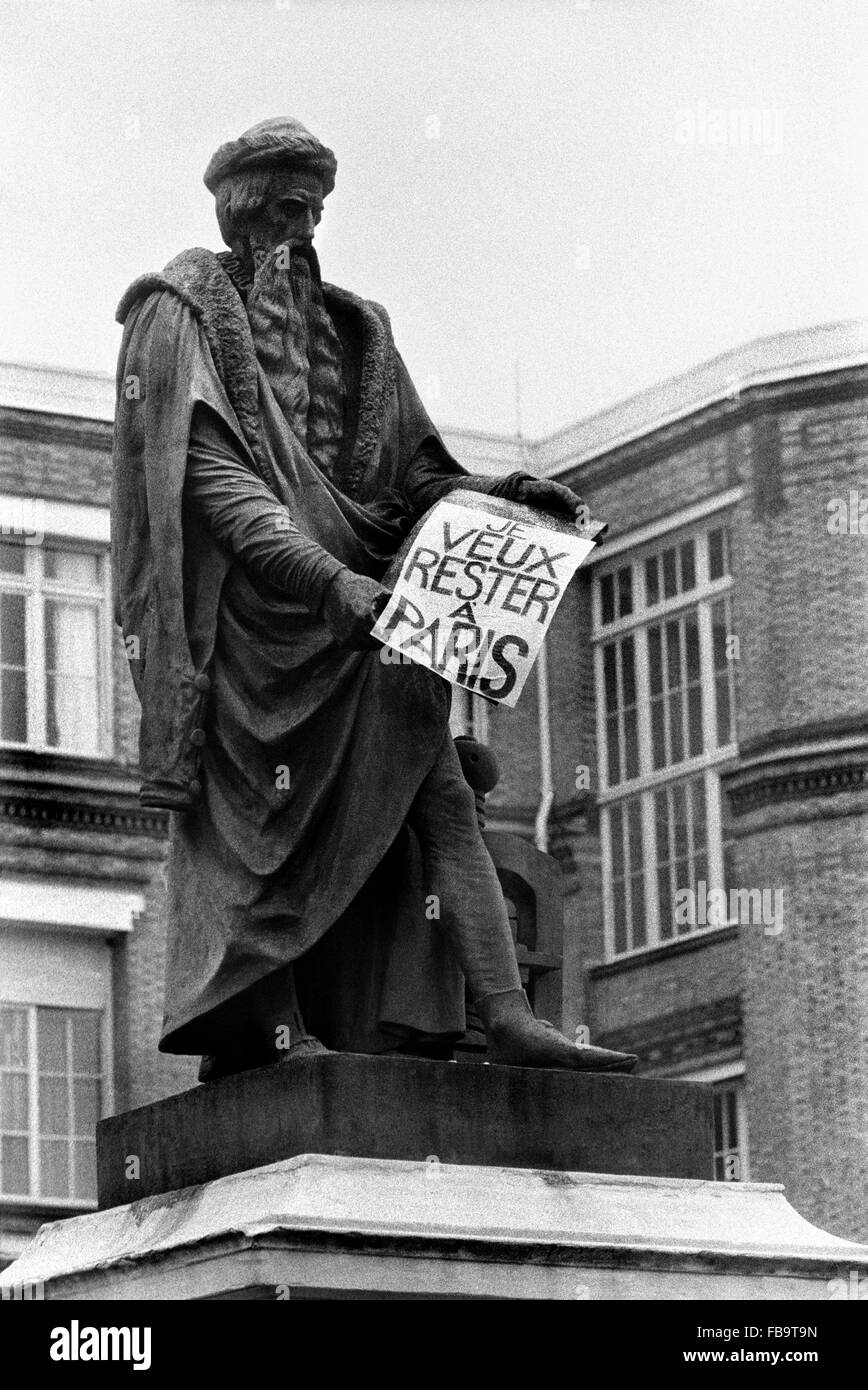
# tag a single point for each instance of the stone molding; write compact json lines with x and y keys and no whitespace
{"x":797,"y":773}
{"x":682,"y":1036}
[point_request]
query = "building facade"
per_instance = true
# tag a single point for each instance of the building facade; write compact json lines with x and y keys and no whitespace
{"x":692,"y":752}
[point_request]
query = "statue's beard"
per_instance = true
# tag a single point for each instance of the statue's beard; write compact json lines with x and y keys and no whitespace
{"x":298,"y":348}
{"x":278,"y":307}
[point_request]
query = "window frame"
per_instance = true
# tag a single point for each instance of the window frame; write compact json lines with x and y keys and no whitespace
{"x":718,"y":1076}
{"x":81,"y":979}
{"x":38,"y":590}
{"x":36,"y":1133}
{"x":649,"y":780}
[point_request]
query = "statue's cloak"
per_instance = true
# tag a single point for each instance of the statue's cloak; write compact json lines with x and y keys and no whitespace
{"x":291,"y":763}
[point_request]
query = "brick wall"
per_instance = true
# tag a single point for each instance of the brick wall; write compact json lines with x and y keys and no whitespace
{"x":805,"y":1006}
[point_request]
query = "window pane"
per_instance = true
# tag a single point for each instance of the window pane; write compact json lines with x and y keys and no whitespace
{"x":724,"y":711}
{"x":719,"y":632}
{"x":620,"y":901}
{"x":698,"y":796}
{"x":679,"y":811}
{"x":665,"y":904}
{"x":13,"y":1038}
{"x":613,"y":747}
{"x":617,"y":838}
{"x":631,"y":744}
{"x":661,"y":820}
{"x":634,"y":825}
{"x":652,"y":580}
{"x":664,"y":887}
{"x":688,"y":566}
{"x":72,"y":672}
{"x":85,"y":1043}
{"x":86,"y":1102}
{"x":13,"y":678}
{"x":637,"y":880}
{"x":658,"y":734}
{"x":732,"y":1119}
{"x":14,"y":1102}
{"x":53,"y":1105}
{"x":718,"y":1121}
{"x":71,"y":566}
{"x":625,"y":592}
{"x":694,"y":716}
{"x":628,"y":672}
{"x":670,"y":580}
{"x":11,"y":558}
{"x":655,"y":661}
{"x":14,"y":1165}
{"x":610,"y":677}
{"x":84,"y":1169}
{"x":51,"y":1025}
{"x":54,"y":1167}
{"x":673,"y":654}
{"x":717,"y":553}
{"x":607,"y":598}
{"x":676,"y":732}
{"x":13,"y":706}
{"x":691,"y":644}
{"x":12,"y":651}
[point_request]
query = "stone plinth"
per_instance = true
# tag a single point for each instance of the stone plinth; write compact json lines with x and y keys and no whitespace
{"x":406,"y":1109}
{"x":319,"y":1225}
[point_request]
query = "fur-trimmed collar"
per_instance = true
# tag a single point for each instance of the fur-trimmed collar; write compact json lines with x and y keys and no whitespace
{"x":202,"y":280}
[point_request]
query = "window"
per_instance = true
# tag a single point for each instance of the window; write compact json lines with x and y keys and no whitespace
{"x":730,"y":1131}
{"x":50,"y":1100}
{"x":665,"y":723}
{"x":54,"y":648}
{"x":730,"y":1137}
{"x":55,"y":1060}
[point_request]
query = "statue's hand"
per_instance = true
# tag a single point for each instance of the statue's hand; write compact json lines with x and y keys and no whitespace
{"x":352,"y":605}
{"x":550,"y":497}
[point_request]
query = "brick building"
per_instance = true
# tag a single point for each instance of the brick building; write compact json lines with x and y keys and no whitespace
{"x":692,"y":752}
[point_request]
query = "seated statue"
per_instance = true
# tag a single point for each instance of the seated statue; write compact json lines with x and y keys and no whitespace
{"x":328,"y":884}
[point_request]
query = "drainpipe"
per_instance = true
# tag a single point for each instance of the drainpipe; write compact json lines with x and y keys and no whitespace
{"x":546,"y":784}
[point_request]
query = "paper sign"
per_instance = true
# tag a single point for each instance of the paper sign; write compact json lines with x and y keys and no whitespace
{"x":478,"y":586}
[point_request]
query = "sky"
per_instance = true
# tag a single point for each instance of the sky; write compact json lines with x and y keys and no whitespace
{"x":560,"y":202}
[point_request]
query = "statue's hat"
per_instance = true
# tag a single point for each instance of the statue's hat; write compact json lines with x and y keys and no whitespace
{"x":280,"y":140}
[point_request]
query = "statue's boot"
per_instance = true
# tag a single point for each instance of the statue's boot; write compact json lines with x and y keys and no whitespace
{"x":212,"y":1067}
{"x":279,"y":1034}
{"x":516,"y":1038}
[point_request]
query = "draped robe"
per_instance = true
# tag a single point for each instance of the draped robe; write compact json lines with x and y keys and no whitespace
{"x":294,"y":847}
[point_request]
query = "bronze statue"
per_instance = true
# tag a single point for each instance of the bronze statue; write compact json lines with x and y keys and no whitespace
{"x":329,"y":887}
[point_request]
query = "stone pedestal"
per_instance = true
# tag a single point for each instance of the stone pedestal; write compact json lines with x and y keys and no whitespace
{"x":319,"y":1225}
{"x":466,"y":1182}
{"x":404,"y":1108}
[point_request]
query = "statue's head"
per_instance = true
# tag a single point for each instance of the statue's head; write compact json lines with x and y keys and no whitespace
{"x":269,"y":187}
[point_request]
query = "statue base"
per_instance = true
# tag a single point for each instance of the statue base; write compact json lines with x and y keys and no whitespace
{"x":406,"y":1108}
{"x":370,"y":1177}
{"x":320,"y":1226}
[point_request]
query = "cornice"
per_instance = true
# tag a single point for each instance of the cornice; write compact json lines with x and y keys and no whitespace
{"x":57,"y":812}
{"x":806,"y":769}
{"x":40,"y":428}
{"x":682,"y":1036}
{"x":42,"y":791}
{"x":722,"y":417}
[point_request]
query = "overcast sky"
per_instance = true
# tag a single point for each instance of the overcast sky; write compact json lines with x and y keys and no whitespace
{"x":548,"y":183}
